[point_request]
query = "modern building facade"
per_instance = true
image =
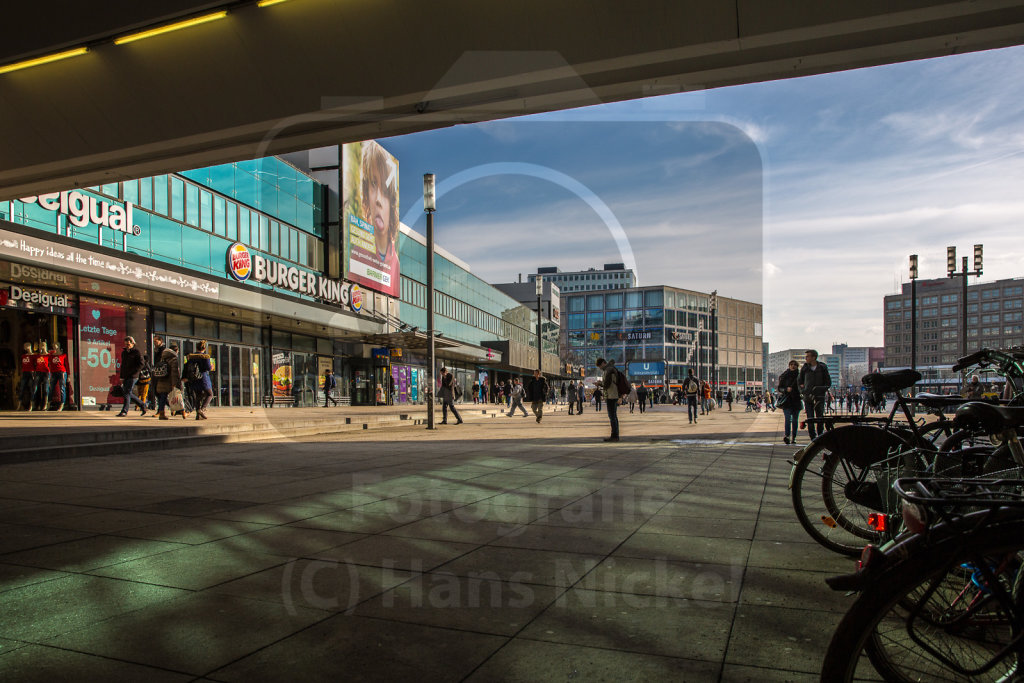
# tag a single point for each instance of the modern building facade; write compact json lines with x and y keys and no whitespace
{"x":667,"y":330}
{"x":611,"y":276}
{"x":250,"y":257}
{"x":995,"y":319}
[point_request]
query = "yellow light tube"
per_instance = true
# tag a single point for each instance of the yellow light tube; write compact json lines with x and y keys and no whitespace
{"x":268,"y":3}
{"x":195,"y":21}
{"x":57,"y":56}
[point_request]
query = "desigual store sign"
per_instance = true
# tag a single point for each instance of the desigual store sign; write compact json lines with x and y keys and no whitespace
{"x":81,"y":209}
{"x":31,"y":298}
{"x":244,"y":265}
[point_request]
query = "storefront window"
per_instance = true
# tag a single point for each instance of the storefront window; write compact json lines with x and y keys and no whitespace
{"x":595,"y":321}
{"x":206,"y":210}
{"x":613,"y":320}
{"x":232,"y":221}
{"x":206,"y":329}
{"x":104,"y":325}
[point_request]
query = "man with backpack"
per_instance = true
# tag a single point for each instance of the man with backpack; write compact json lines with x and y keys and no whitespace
{"x":615,"y":385}
{"x":691,"y":390}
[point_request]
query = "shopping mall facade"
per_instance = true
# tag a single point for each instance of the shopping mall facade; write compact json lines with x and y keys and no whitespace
{"x":252,"y":257}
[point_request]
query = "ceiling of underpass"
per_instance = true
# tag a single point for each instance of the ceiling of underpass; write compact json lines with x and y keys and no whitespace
{"x":306,"y":73}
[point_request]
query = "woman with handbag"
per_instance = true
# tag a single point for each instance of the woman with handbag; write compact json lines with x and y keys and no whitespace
{"x":167,"y":375}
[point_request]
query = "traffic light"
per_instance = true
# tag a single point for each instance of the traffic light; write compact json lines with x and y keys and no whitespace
{"x":913,"y":266}
{"x":950,"y":260}
{"x":977,"y":258}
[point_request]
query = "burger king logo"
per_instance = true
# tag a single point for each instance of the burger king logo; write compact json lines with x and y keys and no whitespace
{"x":355,"y":299}
{"x":239,"y":261}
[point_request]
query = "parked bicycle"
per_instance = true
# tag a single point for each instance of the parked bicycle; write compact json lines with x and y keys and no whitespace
{"x":945,"y":600}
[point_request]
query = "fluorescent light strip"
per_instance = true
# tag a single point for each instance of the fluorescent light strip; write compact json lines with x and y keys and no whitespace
{"x":195,"y":21}
{"x":268,"y":3}
{"x":28,"y":63}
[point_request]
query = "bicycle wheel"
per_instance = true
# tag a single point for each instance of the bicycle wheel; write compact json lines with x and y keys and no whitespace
{"x":938,"y":615}
{"x":819,"y":489}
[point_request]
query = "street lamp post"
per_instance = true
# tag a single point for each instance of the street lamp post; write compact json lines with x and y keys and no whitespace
{"x":540,"y":292}
{"x":714,"y":343}
{"x":429,"y":207}
{"x":913,"y":316}
{"x":964,"y":272}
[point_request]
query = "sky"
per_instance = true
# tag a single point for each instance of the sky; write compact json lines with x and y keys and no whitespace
{"x":807,"y":194}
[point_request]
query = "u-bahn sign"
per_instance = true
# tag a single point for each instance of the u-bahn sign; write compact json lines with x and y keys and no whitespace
{"x":639,"y":368}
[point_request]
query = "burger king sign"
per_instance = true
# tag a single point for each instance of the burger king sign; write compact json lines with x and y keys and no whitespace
{"x":239,"y":262}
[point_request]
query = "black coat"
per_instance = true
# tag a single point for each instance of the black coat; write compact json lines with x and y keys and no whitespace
{"x":131,"y":362}
{"x":788,"y":379}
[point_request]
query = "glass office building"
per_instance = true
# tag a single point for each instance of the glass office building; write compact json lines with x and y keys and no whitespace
{"x":669,"y":325}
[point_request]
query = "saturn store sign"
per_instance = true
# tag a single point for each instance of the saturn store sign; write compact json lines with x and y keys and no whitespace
{"x":244,"y":265}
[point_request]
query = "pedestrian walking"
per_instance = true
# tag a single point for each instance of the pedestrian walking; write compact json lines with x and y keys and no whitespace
{"x":330,"y":383}
{"x":536,"y":392}
{"x":158,"y":352}
{"x":598,"y":394}
{"x":562,"y":392}
{"x":705,"y":404}
{"x":814,"y":381}
{"x":447,"y":396}
{"x":609,"y":384}
{"x":691,"y":390}
{"x":581,"y":397}
{"x":517,"y":398}
{"x":198,"y":367}
{"x":789,"y":393}
{"x":632,"y":398}
{"x":571,"y":395}
{"x":476,"y":392}
{"x":131,"y":366}
{"x":641,"y":397}
{"x":729,"y":396}
{"x":167,"y":376}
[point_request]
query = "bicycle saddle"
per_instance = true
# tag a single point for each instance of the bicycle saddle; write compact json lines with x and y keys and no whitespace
{"x":883,"y":382}
{"x":991,"y":418}
{"x":937,"y":400}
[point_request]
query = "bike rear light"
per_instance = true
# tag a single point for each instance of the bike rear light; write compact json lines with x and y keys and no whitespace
{"x":868,"y":556}
{"x":915,"y":517}
{"x":828,"y":521}
{"x":876,"y":520}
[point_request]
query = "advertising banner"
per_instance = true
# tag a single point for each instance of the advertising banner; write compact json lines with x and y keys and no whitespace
{"x":370,"y":216}
{"x":281,"y":369}
{"x":104,"y":325}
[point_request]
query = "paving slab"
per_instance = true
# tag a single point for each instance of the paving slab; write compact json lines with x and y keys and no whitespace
{"x":500,"y":550}
{"x":354,"y":648}
{"x":42,"y":664}
{"x":531,"y":661}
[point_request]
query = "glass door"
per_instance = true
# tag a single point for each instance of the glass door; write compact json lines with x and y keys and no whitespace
{"x":235,"y":375}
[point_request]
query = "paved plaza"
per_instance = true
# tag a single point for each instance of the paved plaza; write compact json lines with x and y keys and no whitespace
{"x":496,"y":550}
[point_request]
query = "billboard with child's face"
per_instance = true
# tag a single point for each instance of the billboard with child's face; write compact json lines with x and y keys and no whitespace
{"x":370,"y":217}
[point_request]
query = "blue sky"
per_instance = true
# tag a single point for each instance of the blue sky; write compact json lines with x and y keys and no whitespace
{"x":806,"y":194}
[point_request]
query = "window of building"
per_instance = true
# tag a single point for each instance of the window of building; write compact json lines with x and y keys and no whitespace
{"x":595,"y":302}
{"x":1013,"y":291}
{"x":890,"y":305}
{"x":990,"y":294}
{"x":191,"y":204}
{"x":634,"y":299}
{"x":613,"y":301}
{"x":950,"y":298}
{"x":1012,"y":303}
{"x":177,"y":199}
